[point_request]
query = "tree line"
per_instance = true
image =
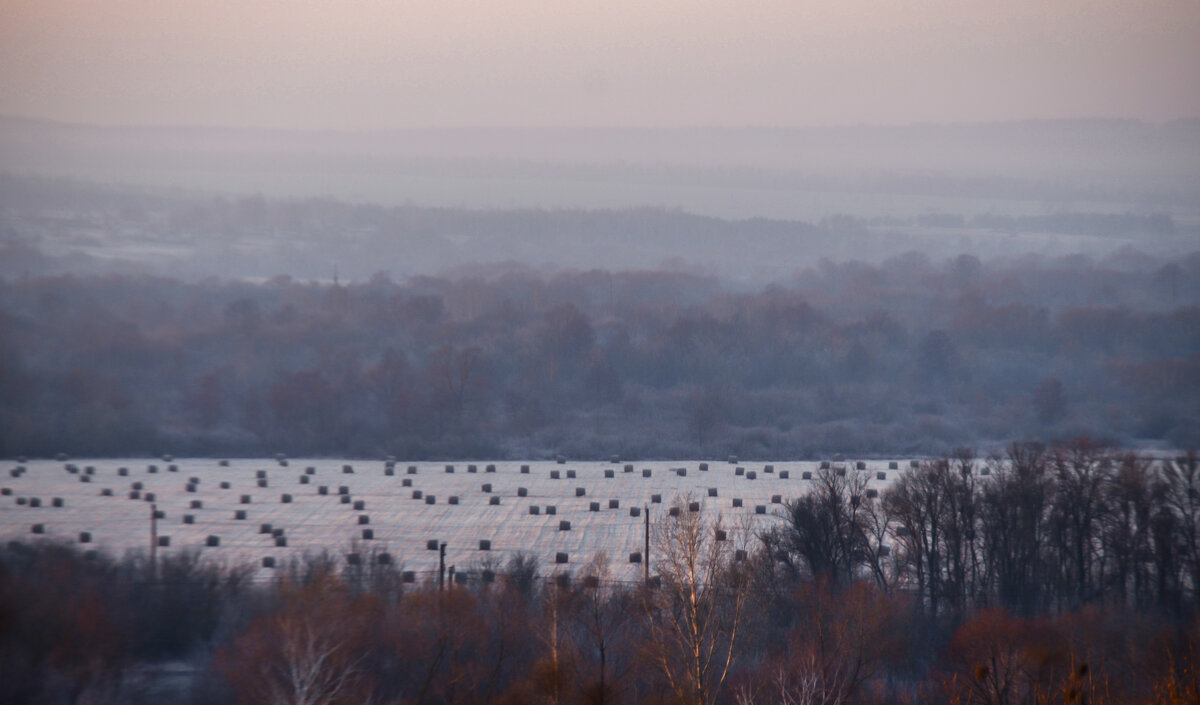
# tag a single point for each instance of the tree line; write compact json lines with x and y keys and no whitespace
{"x":910,"y":357}
{"x":1064,"y":574}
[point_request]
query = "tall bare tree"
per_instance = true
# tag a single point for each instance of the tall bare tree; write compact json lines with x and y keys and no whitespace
{"x":697,"y":611}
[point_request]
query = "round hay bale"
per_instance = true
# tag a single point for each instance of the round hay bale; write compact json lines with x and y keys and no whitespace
{"x":389,"y":472}
{"x":190,"y":488}
{"x":580,"y":491}
{"x":594,"y":507}
{"x":881,"y":476}
{"x":417,"y":494}
{"x":564,"y":525}
{"x":609,"y":474}
{"x":137,"y":486}
{"x":485,"y":545}
{"x":655,"y":499}
{"x":768,"y":468}
{"x":739,"y":471}
{"x":561,"y":460}
{"x":551,"y":509}
{"x":737,"y":502}
{"x":712,"y":491}
{"x":494,"y":500}
{"x":189,"y":519}
{"x":281,"y":541}
{"x":164,"y":541}
{"x":431,"y":545}
{"x":452,"y":499}
{"x":285,"y":499}
{"x":56,"y":502}
{"x":635,"y":557}
{"x":646,"y":472}
{"x":673,"y":511}
{"x":226,"y":486}
{"x":239,"y":514}
{"x":322,"y":489}
{"x":893,"y":465}
{"x":408,"y":576}
{"x":776,"y":499}
{"x":150,"y":497}
{"x":406,"y":482}
{"x":703,"y":467}
{"x":212,"y":541}
{"x":85,"y":537}
{"x":265,"y":529}
{"x":555,"y":475}
{"x":343,"y":489}
{"x":473,"y":469}
{"x":490,"y":468}
{"x":534,"y":510}
{"x":368,"y":534}
{"x":570,"y":474}
{"x":860,"y":465}
{"x":720,"y":534}
{"x":751,"y":475}
{"x":310,"y":470}
{"x":134,"y":494}
{"x":244,"y":499}
{"x":412,"y":470}
{"x":560,"y":558}
{"x":449,"y":469}
{"x":806,"y":475}
{"x":260,"y":474}
{"x":268,"y":562}
{"x":733,"y":459}
{"x":223,"y":463}
{"x":430,"y":499}
{"x":522,"y":492}
{"x":487,"y":487}
{"x":614,"y":504}
{"x":347,"y":469}
{"x":38,"y":529}
{"x":304,"y":479}
{"x":160,"y":514}
{"x":383,"y":558}
{"x":783,"y":474}
{"x":524,"y":469}
{"x":635,"y":511}
{"x":693,"y":506}
{"x":760,"y":509}
{"x":364,"y":518}
{"x":359,"y":505}
{"x":123,"y":472}
{"x":345,"y":499}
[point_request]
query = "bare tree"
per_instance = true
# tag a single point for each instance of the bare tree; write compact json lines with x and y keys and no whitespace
{"x":696,"y":613}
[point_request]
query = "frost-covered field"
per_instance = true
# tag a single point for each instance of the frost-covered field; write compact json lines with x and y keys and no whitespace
{"x":469,"y":505}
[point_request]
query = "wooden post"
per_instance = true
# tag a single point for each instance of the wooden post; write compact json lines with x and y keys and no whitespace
{"x":442,"y":567}
{"x":646,"y":558}
{"x":153,"y":540}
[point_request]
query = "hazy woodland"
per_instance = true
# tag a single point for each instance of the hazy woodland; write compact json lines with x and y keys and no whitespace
{"x":914,"y":289}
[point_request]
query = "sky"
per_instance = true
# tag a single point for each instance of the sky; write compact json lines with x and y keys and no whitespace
{"x":382,"y":64}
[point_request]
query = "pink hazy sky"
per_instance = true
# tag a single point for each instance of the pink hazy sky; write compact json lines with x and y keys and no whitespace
{"x":369,"y":64}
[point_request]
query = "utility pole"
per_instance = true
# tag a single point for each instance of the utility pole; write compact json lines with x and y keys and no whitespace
{"x":153,"y":540}
{"x":442,"y":567}
{"x":646,"y":558}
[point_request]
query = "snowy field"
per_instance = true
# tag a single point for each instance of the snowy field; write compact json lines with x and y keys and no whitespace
{"x":516,"y":506}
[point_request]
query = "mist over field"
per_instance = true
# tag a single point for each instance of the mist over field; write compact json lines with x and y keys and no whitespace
{"x":573,"y":353}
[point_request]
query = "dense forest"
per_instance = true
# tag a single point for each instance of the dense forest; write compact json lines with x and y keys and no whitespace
{"x":1049,"y":574}
{"x":911,"y":356}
